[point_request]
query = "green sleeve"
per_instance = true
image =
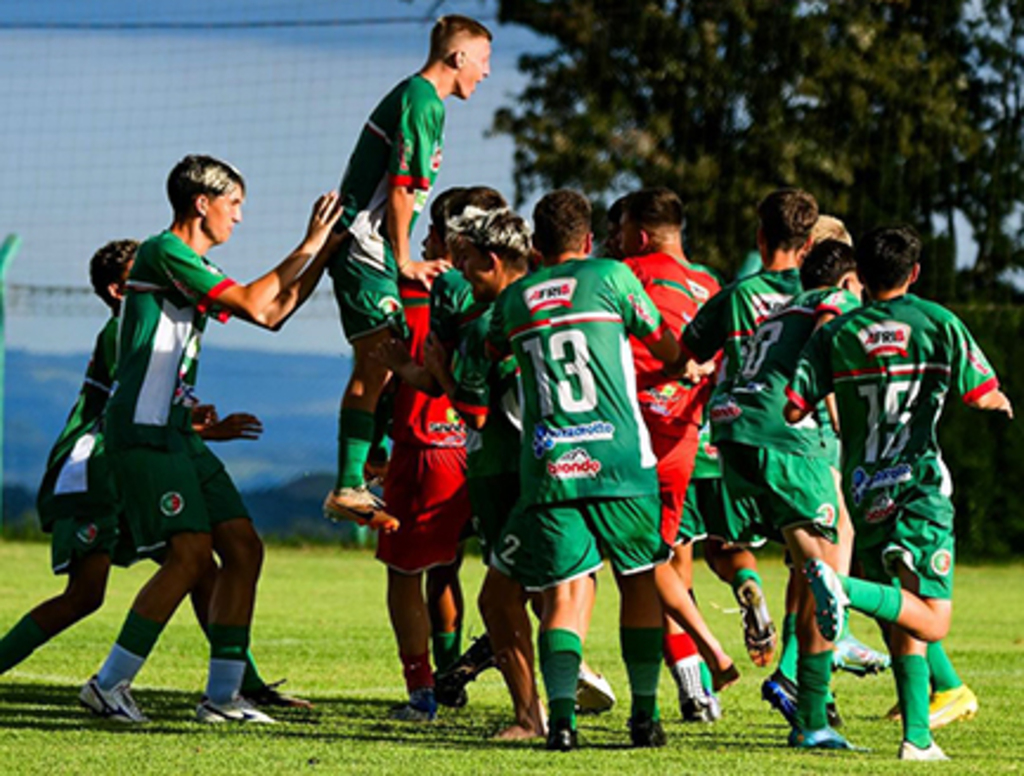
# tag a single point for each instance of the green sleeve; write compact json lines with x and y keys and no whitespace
{"x":416,"y":148}
{"x":192,"y":275}
{"x":705,"y":335}
{"x":812,"y":380}
{"x":973,"y":375}
{"x":497,"y":342}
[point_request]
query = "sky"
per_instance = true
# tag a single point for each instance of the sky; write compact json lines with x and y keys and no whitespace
{"x":100,"y":99}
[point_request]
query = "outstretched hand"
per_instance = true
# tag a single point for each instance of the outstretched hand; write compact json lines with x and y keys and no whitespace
{"x":238,"y":425}
{"x":326,"y":212}
{"x":424,"y":272}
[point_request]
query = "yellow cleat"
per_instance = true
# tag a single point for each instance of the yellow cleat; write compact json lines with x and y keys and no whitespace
{"x":951,"y":706}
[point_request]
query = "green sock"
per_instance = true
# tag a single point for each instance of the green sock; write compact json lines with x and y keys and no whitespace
{"x":251,"y":679}
{"x":813,"y":674}
{"x":911,"y":672}
{"x":20,"y":642}
{"x":561,"y":653}
{"x":873,"y":599}
{"x":447,"y":648}
{"x":705,"y":678}
{"x":139,"y":635}
{"x":228,"y":642}
{"x":742,"y":576}
{"x":355,"y":435}
{"x":790,"y":648}
{"x":641,"y":651}
{"x":944,"y":677}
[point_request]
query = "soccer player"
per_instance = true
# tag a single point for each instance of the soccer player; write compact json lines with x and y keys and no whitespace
{"x":180,"y":503}
{"x":788,"y":470}
{"x":890,"y":365}
{"x":726,"y":322}
{"x":586,"y":468}
{"x":650,"y":234}
{"x":386,"y":184}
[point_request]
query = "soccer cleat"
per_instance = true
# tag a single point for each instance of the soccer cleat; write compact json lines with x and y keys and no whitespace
{"x":593,"y":693}
{"x":826,"y":738}
{"x":450,"y":684}
{"x":645,"y":732}
{"x":237,"y":710}
{"x":830,"y":600}
{"x":780,"y":691}
{"x":951,"y":706}
{"x":705,"y":708}
{"x":561,"y":736}
{"x":758,"y":628}
{"x":910,"y":752}
{"x":358,"y":505}
{"x":422,"y":707}
{"x":116,"y":703}
{"x":858,"y":659}
{"x":269,"y":695}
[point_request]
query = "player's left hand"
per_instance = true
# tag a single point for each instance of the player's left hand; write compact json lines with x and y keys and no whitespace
{"x":238,"y":425}
{"x":393,"y":353}
{"x":424,"y":272}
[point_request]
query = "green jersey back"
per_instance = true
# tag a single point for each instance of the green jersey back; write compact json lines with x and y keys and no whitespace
{"x":67,"y":468}
{"x":450,"y":297}
{"x":171,"y":292}
{"x":490,"y":389}
{"x":568,"y":327}
{"x":890,"y":365}
{"x":751,"y":411}
{"x":400,"y":144}
{"x":730,"y":317}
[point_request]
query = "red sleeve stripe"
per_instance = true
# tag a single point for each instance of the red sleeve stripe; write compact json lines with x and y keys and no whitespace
{"x":827,"y":309}
{"x":470,"y":409}
{"x":656,"y":335}
{"x":976,"y":393}
{"x":797,"y":399}
{"x":409,"y":182}
{"x":207,"y":301}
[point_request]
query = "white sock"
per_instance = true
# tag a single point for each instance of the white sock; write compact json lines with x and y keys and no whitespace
{"x":225,"y":680}
{"x":120,"y":665}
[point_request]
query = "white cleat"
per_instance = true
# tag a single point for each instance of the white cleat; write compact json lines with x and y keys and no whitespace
{"x":594,"y":694}
{"x":116,"y":703}
{"x":360,"y":506}
{"x":238,"y":710}
{"x":932,"y":754}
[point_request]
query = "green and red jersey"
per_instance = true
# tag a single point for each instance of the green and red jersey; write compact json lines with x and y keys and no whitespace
{"x":400,"y":145}
{"x":568,"y":327}
{"x":450,"y":297}
{"x":890,"y":365}
{"x":171,"y":292}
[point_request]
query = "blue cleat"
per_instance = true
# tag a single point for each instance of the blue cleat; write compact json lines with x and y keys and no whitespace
{"x":830,"y":600}
{"x":857,"y":658}
{"x":781,"y":692}
{"x":826,"y":738}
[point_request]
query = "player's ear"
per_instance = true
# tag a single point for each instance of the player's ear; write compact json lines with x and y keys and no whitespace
{"x":456,"y":59}
{"x":201,"y":204}
{"x":915,"y":273}
{"x":588,"y":244}
{"x":645,"y":240}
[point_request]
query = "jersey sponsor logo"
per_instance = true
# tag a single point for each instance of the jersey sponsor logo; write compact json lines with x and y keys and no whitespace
{"x":451,"y":425}
{"x":574,"y":465}
{"x":881,"y":509}
{"x":766,"y":304}
{"x":549,"y":294}
{"x":942,"y":562}
{"x":642,"y":311}
{"x":405,"y":148}
{"x":171,"y":504}
{"x":883,"y":478}
{"x":87,"y":533}
{"x":978,"y":362}
{"x":725,"y":412}
{"x":546,"y":437}
{"x":701,"y":293}
{"x":435,"y":158}
{"x":826,"y":515}
{"x":886,"y":338}
{"x":661,"y":398}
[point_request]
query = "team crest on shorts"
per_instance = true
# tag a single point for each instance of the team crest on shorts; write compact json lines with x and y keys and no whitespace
{"x":171,"y":504}
{"x":389,"y":305}
{"x":826,"y":515}
{"x":87,"y":533}
{"x":942,"y":562}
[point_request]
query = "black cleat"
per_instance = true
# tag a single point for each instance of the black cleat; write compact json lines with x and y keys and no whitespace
{"x":561,"y":736}
{"x":450,"y":684}
{"x":834,"y":718}
{"x":645,"y":732}
{"x":269,"y":695}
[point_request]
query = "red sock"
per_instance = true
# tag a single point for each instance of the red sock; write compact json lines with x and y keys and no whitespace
{"x":416,"y":669}
{"x":678,"y":646}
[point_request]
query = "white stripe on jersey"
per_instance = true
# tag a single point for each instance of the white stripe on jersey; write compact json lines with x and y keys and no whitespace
{"x":648,"y":460}
{"x":74,"y":474}
{"x":153,"y":405}
{"x":368,"y":228}
{"x":378,"y":131}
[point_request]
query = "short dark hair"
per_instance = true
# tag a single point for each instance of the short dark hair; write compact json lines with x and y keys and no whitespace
{"x":108,"y":265}
{"x":196,"y":175}
{"x":449,"y":27}
{"x":439,"y":210}
{"x":616,"y":208}
{"x":826,"y":264}
{"x":887,"y":255}
{"x":787,"y":218}
{"x":561,"y":222}
{"x":655,"y":208}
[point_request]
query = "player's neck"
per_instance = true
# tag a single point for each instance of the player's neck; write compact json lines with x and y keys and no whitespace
{"x":780,"y":261}
{"x":563,"y":258}
{"x":673,"y":249}
{"x":191,"y":233}
{"x":889,"y":294}
{"x":440,"y":76}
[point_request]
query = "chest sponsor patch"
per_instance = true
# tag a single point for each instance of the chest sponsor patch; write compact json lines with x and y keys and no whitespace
{"x":545,"y":437}
{"x":886,"y":338}
{"x":550,"y":294}
{"x":577,"y":464}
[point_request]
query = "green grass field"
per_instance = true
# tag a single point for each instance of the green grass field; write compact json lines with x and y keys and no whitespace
{"x":321,"y":622}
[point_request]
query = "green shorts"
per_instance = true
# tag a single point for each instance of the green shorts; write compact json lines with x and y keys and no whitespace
{"x":709,"y":507}
{"x":492,"y":499}
{"x":544,"y":545}
{"x":369,"y":300}
{"x":169,"y":492}
{"x":923,"y":546}
{"x":75,"y":538}
{"x":790,"y":490}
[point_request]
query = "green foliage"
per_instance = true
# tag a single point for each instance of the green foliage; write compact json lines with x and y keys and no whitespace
{"x":321,"y":621}
{"x":906,"y":111}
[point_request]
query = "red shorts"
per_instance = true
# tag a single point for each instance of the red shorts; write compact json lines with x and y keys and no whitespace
{"x":676,"y":455}
{"x":425,"y":488}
